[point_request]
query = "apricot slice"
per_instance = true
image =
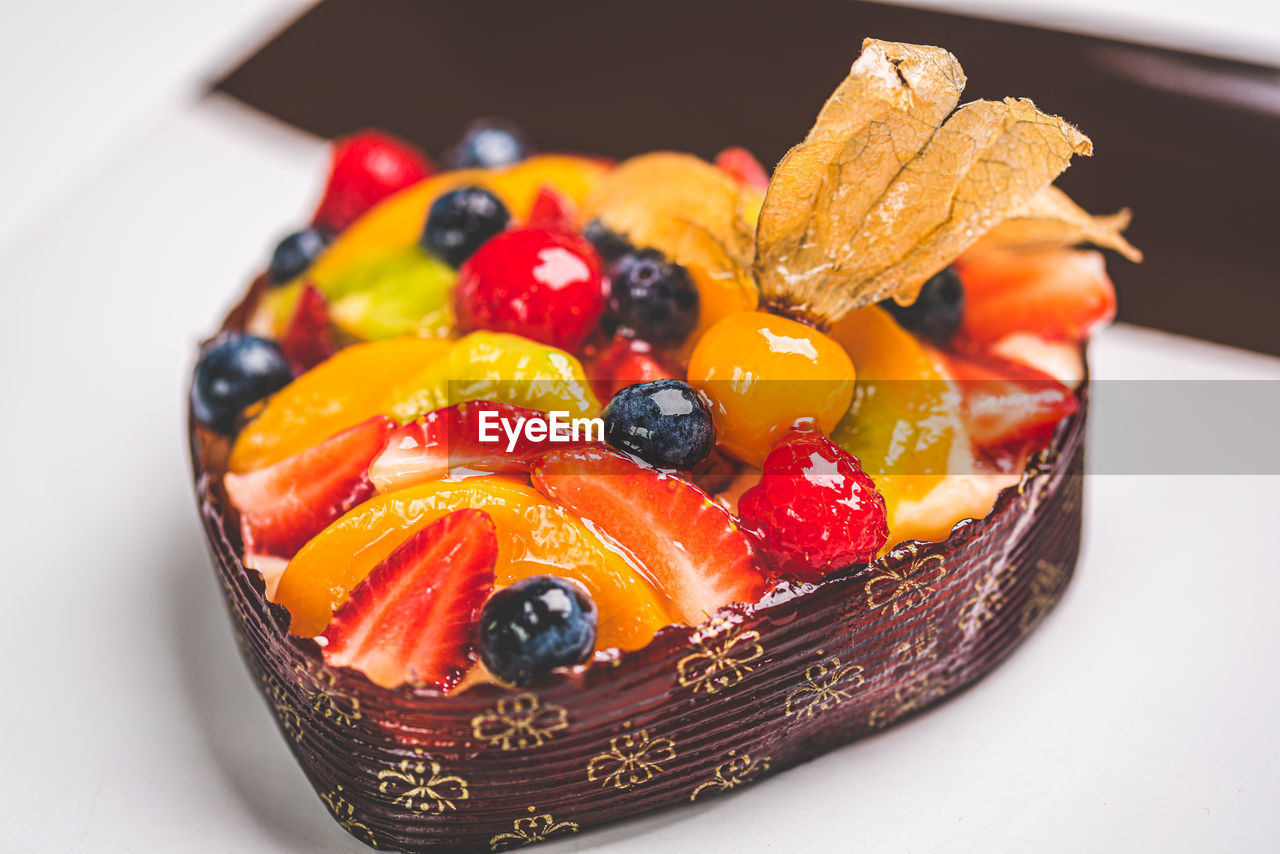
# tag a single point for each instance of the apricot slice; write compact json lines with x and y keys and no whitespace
{"x":498,"y":366}
{"x":535,"y":536}
{"x":903,"y":425}
{"x":397,"y":221}
{"x":342,"y":391}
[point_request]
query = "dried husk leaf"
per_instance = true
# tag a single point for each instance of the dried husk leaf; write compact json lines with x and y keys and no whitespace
{"x":1050,"y":219}
{"x":888,"y":189}
{"x":876,"y":121}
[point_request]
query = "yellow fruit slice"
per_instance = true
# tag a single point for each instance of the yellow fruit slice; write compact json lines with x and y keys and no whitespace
{"x":404,"y":291}
{"x":498,"y":366}
{"x":904,"y":423}
{"x":270,"y":317}
{"x":340,"y":392}
{"x":929,"y":515}
{"x":397,"y":221}
{"x":724,"y":288}
{"x":535,"y":537}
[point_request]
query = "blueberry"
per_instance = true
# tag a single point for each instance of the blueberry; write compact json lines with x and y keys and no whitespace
{"x":461,"y":220}
{"x":937,"y":312}
{"x":294,"y":254}
{"x":538,"y":623}
{"x":487,"y":143}
{"x":609,"y":245}
{"x":665,"y":423}
{"x":235,"y":372}
{"x":653,"y":297}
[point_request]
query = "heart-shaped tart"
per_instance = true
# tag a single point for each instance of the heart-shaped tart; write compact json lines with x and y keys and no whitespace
{"x":546,"y":491}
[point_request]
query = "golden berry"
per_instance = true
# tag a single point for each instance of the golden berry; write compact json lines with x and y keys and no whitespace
{"x":762,"y":374}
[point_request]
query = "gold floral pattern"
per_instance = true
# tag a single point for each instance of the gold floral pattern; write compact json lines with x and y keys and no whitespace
{"x":519,"y":723}
{"x":921,"y":647}
{"x":284,"y":711}
{"x":740,"y":768}
{"x":345,"y":814}
{"x":419,"y":785}
{"x":721,"y":658}
{"x":906,"y":584}
{"x":329,"y":702}
{"x":530,"y":829}
{"x":1044,"y":588}
{"x":918,"y":691}
{"x":990,"y":595}
{"x":827,"y":684}
{"x":632,"y":759}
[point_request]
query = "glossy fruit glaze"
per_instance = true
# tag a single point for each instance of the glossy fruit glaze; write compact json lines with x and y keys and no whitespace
{"x":544,"y":287}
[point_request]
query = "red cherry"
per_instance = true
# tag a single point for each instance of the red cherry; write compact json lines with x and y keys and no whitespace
{"x":532,"y":282}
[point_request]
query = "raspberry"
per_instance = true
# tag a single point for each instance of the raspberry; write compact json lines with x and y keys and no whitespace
{"x":365,"y":169}
{"x":532,"y":282}
{"x":814,"y":510}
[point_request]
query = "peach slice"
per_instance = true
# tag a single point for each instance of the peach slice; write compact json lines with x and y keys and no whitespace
{"x":397,"y":221}
{"x":535,"y":536}
{"x":340,"y":392}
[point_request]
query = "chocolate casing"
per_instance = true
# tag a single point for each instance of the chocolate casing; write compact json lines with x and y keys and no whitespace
{"x":699,"y":711}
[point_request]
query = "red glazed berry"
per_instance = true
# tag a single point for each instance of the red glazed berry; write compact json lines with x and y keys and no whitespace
{"x":814,"y":510}
{"x":532,"y":282}
{"x":365,"y":169}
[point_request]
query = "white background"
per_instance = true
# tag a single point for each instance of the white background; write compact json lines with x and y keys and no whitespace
{"x":1140,"y":717}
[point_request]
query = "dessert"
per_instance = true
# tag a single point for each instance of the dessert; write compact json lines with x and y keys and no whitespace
{"x":546,"y":490}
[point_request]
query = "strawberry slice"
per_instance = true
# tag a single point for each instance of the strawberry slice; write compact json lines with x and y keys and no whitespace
{"x":415,"y":617}
{"x":742,"y":166}
{"x":1059,"y":294}
{"x":689,"y":545}
{"x":553,"y":211}
{"x":1005,"y":404}
{"x":449,"y":438}
{"x":625,"y":362}
{"x":284,"y":505}
{"x":309,"y":339}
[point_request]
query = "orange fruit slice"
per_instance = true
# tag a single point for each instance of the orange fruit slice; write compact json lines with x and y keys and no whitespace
{"x":397,"y":221}
{"x":535,"y":536}
{"x":904,"y":424}
{"x":340,"y":392}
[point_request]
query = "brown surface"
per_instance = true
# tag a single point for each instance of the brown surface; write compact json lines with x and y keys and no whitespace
{"x":1177,"y":139}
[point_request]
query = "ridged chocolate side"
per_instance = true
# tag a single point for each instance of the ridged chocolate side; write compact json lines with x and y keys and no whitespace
{"x":696,"y":712}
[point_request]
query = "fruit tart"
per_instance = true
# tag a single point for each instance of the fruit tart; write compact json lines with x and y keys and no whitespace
{"x":546,"y":490}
